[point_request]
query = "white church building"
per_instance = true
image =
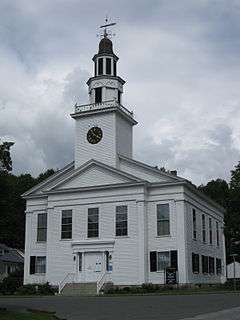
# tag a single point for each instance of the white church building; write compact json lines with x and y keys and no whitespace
{"x":107,"y":217}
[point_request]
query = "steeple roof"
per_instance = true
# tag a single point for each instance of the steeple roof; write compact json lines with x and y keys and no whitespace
{"x":105,"y":46}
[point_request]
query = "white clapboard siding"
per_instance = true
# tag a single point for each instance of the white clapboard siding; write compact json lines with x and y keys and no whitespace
{"x":105,"y":150}
{"x":142,"y":172}
{"x":93,"y":176}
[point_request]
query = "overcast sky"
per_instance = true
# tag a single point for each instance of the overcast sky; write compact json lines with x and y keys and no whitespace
{"x":180,"y":60}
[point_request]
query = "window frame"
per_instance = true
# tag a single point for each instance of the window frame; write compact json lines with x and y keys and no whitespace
{"x":88,"y":213}
{"x":108,"y":66}
{"x":217,"y":234}
{"x":66,"y":224}
{"x":123,"y":220}
{"x":34,"y":265}
{"x":163,"y":220}
{"x":99,"y":100}
{"x":211,"y":265}
{"x":44,"y":227}
{"x":203,"y":228}
{"x":80,"y":261}
{"x":218,"y":266}
{"x":194,"y":223}
{"x":205,"y":264}
{"x":195,"y":267}
{"x":210,"y":231}
{"x":100,"y":66}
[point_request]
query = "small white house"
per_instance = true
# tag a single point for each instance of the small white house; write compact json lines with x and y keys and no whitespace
{"x":233,"y":270}
{"x":10,"y":260}
{"x":108,"y":217}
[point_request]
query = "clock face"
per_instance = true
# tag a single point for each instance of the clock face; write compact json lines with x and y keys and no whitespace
{"x":94,"y":135}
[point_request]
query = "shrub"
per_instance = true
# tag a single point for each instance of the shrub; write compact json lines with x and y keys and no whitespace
{"x":27,"y":289}
{"x":38,"y":289}
{"x":10,"y":284}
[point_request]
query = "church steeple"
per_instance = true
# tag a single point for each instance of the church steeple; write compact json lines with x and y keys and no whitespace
{"x":105,"y":85}
{"x":104,"y":125}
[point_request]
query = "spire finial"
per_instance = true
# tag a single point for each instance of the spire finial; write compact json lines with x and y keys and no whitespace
{"x":107,"y":33}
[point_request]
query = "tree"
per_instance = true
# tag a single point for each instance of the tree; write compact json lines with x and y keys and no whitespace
{"x":12,"y":206}
{"x":233,"y":219}
{"x":5,"y":157}
{"x":218,"y":190}
{"x":228,"y":196}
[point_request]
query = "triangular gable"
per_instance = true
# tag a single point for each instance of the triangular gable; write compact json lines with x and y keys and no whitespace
{"x":94,"y":173}
{"x":145,"y":172}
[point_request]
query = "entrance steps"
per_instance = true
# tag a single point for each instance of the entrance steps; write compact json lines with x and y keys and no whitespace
{"x":80,"y":289}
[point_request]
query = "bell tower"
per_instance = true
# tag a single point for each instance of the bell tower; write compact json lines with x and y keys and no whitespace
{"x":103,"y":128}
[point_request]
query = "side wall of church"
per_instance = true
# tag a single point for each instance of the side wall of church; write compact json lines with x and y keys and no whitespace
{"x":198,"y":246}
{"x":124,"y":139}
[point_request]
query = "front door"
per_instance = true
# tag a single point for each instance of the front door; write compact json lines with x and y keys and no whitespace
{"x":93,"y":266}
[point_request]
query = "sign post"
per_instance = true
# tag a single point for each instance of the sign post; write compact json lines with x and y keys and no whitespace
{"x":170,"y":276}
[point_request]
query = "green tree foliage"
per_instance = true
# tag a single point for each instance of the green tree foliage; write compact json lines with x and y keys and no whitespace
{"x":12,"y":206}
{"x":5,"y":157}
{"x":218,"y":190}
{"x":228,"y":196}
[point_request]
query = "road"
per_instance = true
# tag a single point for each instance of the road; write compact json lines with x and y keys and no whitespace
{"x":187,"y":307}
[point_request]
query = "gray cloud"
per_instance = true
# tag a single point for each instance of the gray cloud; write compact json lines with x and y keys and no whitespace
{"x":180,"y":60}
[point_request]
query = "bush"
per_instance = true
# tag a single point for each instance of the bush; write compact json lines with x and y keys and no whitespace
{"x":10,"y":284}
{"x":38,"y":289}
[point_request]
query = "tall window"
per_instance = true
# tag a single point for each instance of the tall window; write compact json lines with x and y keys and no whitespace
{"x":121,"y":221}
{"x":108,"y":66}
{"x":203,"y":228}
{"x":210,"y":230}
{"x":98,"y":95}
{"x":163,"y":224}
{"x":194,"y":224}
{"x":42,"y":227}
{"x":195,"y":263}
{"x":93,"y":222}
{"x":218,"y":266}
{"x":204,"y":264}
{"x":100,"y":66}
{"x":37,"y":264}
{"x":217,"y":233}
{"x":211,"y":265}
{"x":80,"y":261}
{"x":66,"y":224}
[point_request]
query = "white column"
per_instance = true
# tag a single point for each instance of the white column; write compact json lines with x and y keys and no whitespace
{"x":111,"y":66}
{"x":141,"y":213}
{"x":181,"y":236}
{"x":104,"y":65}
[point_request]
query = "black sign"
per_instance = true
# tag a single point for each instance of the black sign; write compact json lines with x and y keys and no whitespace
{"x":171,"y":276}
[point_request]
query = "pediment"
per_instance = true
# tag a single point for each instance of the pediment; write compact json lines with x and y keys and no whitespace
{"x":94,"y":174}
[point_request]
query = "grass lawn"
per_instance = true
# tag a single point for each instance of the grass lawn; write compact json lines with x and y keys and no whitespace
{"x":10,"y":315}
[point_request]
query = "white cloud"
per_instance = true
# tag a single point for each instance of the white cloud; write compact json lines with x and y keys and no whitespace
{"x":180,"y":60}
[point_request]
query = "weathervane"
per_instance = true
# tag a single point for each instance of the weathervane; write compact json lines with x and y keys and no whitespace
{"x":107,"y":33}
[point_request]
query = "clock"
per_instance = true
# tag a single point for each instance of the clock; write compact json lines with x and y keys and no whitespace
{"x":94,"y":135}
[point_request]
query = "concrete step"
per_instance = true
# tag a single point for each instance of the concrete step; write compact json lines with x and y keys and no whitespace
{"x":80,"y":289}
